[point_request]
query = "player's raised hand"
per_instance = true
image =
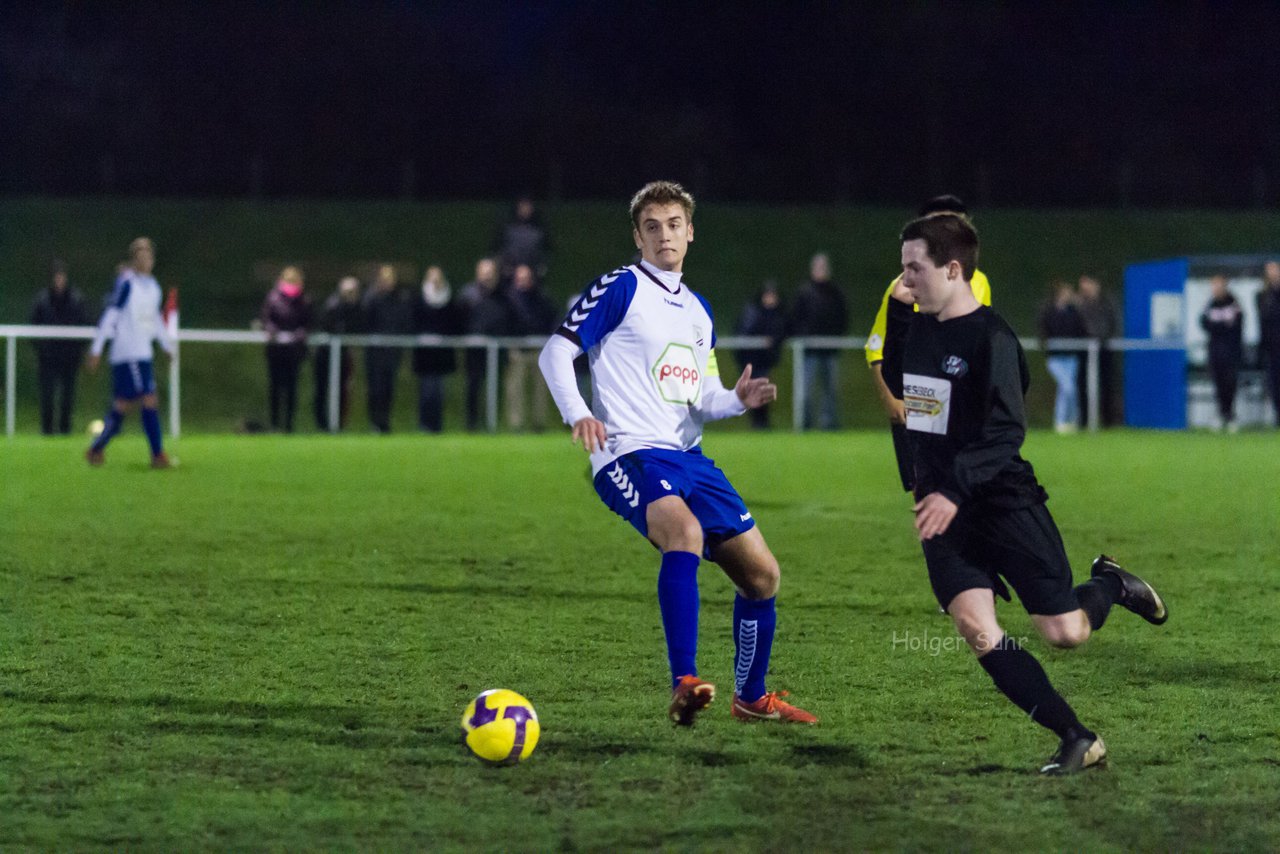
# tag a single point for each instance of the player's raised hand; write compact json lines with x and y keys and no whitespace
{"x":754,"y":392}
{"x":591,"y":433}
{"x":934,"y":513}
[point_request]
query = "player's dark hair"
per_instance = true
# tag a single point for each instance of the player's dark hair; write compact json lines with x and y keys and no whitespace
{"x":947,"y":237}
{"x":661,"y":193}
{"x":943,"y":204}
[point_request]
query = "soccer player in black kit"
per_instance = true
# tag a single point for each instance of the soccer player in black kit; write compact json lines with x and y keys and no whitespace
{"x":980,"y":512}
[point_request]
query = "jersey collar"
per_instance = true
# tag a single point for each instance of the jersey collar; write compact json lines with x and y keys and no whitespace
{"x":668,"y":281}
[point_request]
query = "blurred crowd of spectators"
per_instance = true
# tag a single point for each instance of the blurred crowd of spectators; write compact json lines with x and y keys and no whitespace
{"x":1080,"y":311}
{"x":505,"y":298}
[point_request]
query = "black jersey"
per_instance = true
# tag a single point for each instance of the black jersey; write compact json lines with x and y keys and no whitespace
{"x":963,"y":383}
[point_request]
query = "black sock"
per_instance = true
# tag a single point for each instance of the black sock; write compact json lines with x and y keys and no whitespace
{"x":1097,"y":595}
{"x":1021,"y":678}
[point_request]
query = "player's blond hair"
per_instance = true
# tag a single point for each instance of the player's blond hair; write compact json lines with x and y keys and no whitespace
{"x":140,"y":244}
{"x":661,"y":193}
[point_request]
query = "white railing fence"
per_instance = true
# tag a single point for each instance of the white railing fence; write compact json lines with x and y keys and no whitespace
{"x":493,"y":348}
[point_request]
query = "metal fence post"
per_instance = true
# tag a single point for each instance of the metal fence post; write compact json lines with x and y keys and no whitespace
{"x":10,"y":382}
{"x":1091,"y":375}
{"x":335,"y":383}
{"x":491,"y":385}
{"x":797,"y":386}
{"x":175,"y":392}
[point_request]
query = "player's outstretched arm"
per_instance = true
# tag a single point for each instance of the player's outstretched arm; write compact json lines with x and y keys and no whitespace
{"x":556,"y":363}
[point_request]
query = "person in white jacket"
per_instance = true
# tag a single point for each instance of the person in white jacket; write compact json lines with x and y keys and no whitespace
{"x":650,"y":342}
{"x":132,"y":321}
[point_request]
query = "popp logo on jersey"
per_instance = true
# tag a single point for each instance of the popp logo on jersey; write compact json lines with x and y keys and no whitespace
{"x":678,"y":376}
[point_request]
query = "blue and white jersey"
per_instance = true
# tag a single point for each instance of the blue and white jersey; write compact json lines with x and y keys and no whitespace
{"x":650,"y":343}
{"x":132,"y":320}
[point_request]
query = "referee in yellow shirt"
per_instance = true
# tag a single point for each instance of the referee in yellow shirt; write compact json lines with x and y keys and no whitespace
{"x":884,"y":344}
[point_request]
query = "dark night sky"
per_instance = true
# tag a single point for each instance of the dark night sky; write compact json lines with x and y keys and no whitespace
{"x":1011,"y":103}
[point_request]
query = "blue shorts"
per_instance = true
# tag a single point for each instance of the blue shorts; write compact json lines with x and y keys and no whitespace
{"x":631,"y":482}
{"x":131,"y":380}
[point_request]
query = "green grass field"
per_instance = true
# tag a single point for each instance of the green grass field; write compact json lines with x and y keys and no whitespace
{"x":270,"y":647}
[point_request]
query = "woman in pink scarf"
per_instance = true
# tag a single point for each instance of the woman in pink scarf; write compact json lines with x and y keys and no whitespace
{"x":286,"y":316}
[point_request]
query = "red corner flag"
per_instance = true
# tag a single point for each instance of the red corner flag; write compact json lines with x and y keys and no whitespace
{"x":171,"y":313}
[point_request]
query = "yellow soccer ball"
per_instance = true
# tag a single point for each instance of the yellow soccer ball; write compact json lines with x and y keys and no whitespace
{"x":501,"y":727}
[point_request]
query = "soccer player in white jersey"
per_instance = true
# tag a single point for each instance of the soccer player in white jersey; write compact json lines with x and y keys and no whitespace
{"x":132,"y":320}
{"x":650,"y":343}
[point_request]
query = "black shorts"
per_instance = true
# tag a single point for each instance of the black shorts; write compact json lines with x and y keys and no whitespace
{"x":1023,"y":546}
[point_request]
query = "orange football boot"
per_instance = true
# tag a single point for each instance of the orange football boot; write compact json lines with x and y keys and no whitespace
{"x":690,"y":696}
{"x":770,"y":707}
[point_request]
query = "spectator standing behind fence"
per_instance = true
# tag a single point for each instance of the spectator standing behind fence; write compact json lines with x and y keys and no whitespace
{"x":820,"y":309}
{"x":385,"y":313}
{"x":532,"y":313}
{"x":1269,"y":327}
{"x":58,"y":359}
{"x":1101,"y":322}
{"x":340,"y":315}
{"x":522,"y":239}
{"x":1223,"y":320}
{"x":434,"y":313}
{"x":763,"y":316}
{"x":1059,"y":318}
{"x":286,"y":318}
{"x":487,"y":313}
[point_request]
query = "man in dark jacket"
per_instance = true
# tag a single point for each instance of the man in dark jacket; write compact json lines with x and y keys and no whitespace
{"x":488,"y":313}
{"x":1269,"y":325}
{"x":1060,"y":318}
{"x":434,"y":313}
{"x":1101,"y":322}
{"x":820,"y":309}
{"x":386,"y":312}
{"x":532,"y":313}
{"x":341,"y":315}
{"x":59,"y":358}
{"x":522,"y":239}
{"x":763,"y":316}
{"x":1223,"y":321}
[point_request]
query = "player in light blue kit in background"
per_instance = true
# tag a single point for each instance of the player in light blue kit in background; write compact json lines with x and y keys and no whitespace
{"x":133,"y":321}
{"x":650,"y":342}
